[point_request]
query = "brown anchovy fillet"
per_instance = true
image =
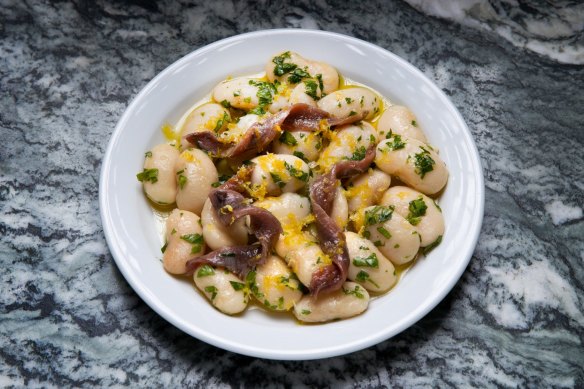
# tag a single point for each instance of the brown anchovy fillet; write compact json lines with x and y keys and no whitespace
{"x":331,"y":236}
{"x":237,"y":259}
{"x":230,"y":206}
{"x":299,"y":117}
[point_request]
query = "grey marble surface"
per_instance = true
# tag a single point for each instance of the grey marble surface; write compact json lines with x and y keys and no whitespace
{"x":68,"y":317}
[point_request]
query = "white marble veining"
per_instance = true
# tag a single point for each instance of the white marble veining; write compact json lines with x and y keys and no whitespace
{"x":69,"y":319}
{"x":552,"y":29}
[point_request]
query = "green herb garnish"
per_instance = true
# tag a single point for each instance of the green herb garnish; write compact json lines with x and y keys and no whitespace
{"x":423,"y":162}
{"x":370,"y":261}
{"x":299,"y":174}
{"x":288,"y":139}
{"x":378,"y":214}
{"x":205,"y":271}
{"x":148,"y":175}
{"x":417,"y":209}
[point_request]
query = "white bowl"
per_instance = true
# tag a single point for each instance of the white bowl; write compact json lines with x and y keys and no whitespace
{"x":129,"y":223}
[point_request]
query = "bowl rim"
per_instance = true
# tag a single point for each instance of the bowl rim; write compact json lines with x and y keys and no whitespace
{"x":210,"y":338}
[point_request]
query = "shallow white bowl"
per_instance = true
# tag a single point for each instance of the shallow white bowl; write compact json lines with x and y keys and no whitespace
{"x":129,"y":223}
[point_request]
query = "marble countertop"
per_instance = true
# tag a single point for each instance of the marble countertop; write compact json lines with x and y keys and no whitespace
{"x":68,"y":317}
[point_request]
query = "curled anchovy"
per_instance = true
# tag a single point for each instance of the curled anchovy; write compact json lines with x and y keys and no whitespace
{"x":331,"y":236}
{"x":298,"y":117}
{"x":230,"y":206}
{"x":237,"y":259}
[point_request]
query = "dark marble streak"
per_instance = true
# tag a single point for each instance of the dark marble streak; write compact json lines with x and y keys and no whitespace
{"x":68,"y":318}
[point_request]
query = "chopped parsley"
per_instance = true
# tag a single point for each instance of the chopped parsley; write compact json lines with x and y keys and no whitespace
{"x":205,"y":271}
{"x":305,"y":312}
{"x":236,"y":93}
{"x":395,"y":142}
{"x":277,"y":180}
{"x":384,"y":232}
{"x":352,"y":113}
{"x":182,"y":179}
{"x":320,"y":83}
{"x":300,"y":155}
{"x":288,"y":139}
{"x":370,"y":261}
{"x":237,"y":286}
{"x":148,"y":154}
{"x":299,"y":174}
{"x":250,"y":280}
{"x":196,"y":240}
{"x":310,"y":88}
{"x":355,"y":292}
{"x":148,"y":175}
{"x":213,"y":290}
{"x":363,"y":276}
{"x":283,"y":67}
{"x":226,"y":103}
{"x":163,"y":248}
{"x":297,"y":75}
{"x":423,"y":162}
{"x":414,"y":123}
{"x":265,"y":94}
{"x":417,"y":209}
{"x":348,"y":100}
{"x":358,"y":154}
{"x":378,"y":214}
{"x":221,"y":121}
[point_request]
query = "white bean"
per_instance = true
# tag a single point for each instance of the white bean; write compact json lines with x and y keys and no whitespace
{"x":195,"y":172}
{"x":238,"y":92}
{"x":351,"y":300}
{"x":289,"y":208}
{"x":279,"y":173}
{"x":340,"y":210}
{"x":397,"y":239}
{"x":400,"y":120}
{"x":303,"y":144}
{"x":207,"y":117}
{"x":420,"y":210}
{"x":159,"y":182}
{"x":183,"y":240}
{"x":330,"y":77}
{"x":305,"y":260}
{"x":351,"y":101}
{"x":236,"y":131}
{"x":348,"y":142}
{"x":274,"y":285}
{"x":225,"y":290}
{"x":367,"y":189}
{"x":414,"y":162}
{"x":216,"y":234}
{"x":368,"y":266}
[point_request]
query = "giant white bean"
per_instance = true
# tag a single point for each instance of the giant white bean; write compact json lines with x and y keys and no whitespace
{"x":340,"y":210}
{"x":398,"y":119}
{"x":368,"y":266}
{"x":348,"y":142}
{"x":158,"y":175}
{"x":218,"y":235}
{"x":195,"y":172}
{"x":329,"y":75}
{"x":225,"y":290}
{"x":367,"y":189}
{"x":207,"y":117}
{"x":414,"y":162}
{"x":351,"y":101}
{"x":397,"y":239}
{"x":183,"y":240}
{"x":274,"y":285}
{"x":305,"y":260}
{"x":420,"y":210}
{"x":351,"y":300}
{"x":303,"y":144}
{"x":279,"y":173}
{"x":239,"y":92}
{"x":236,"y":131}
